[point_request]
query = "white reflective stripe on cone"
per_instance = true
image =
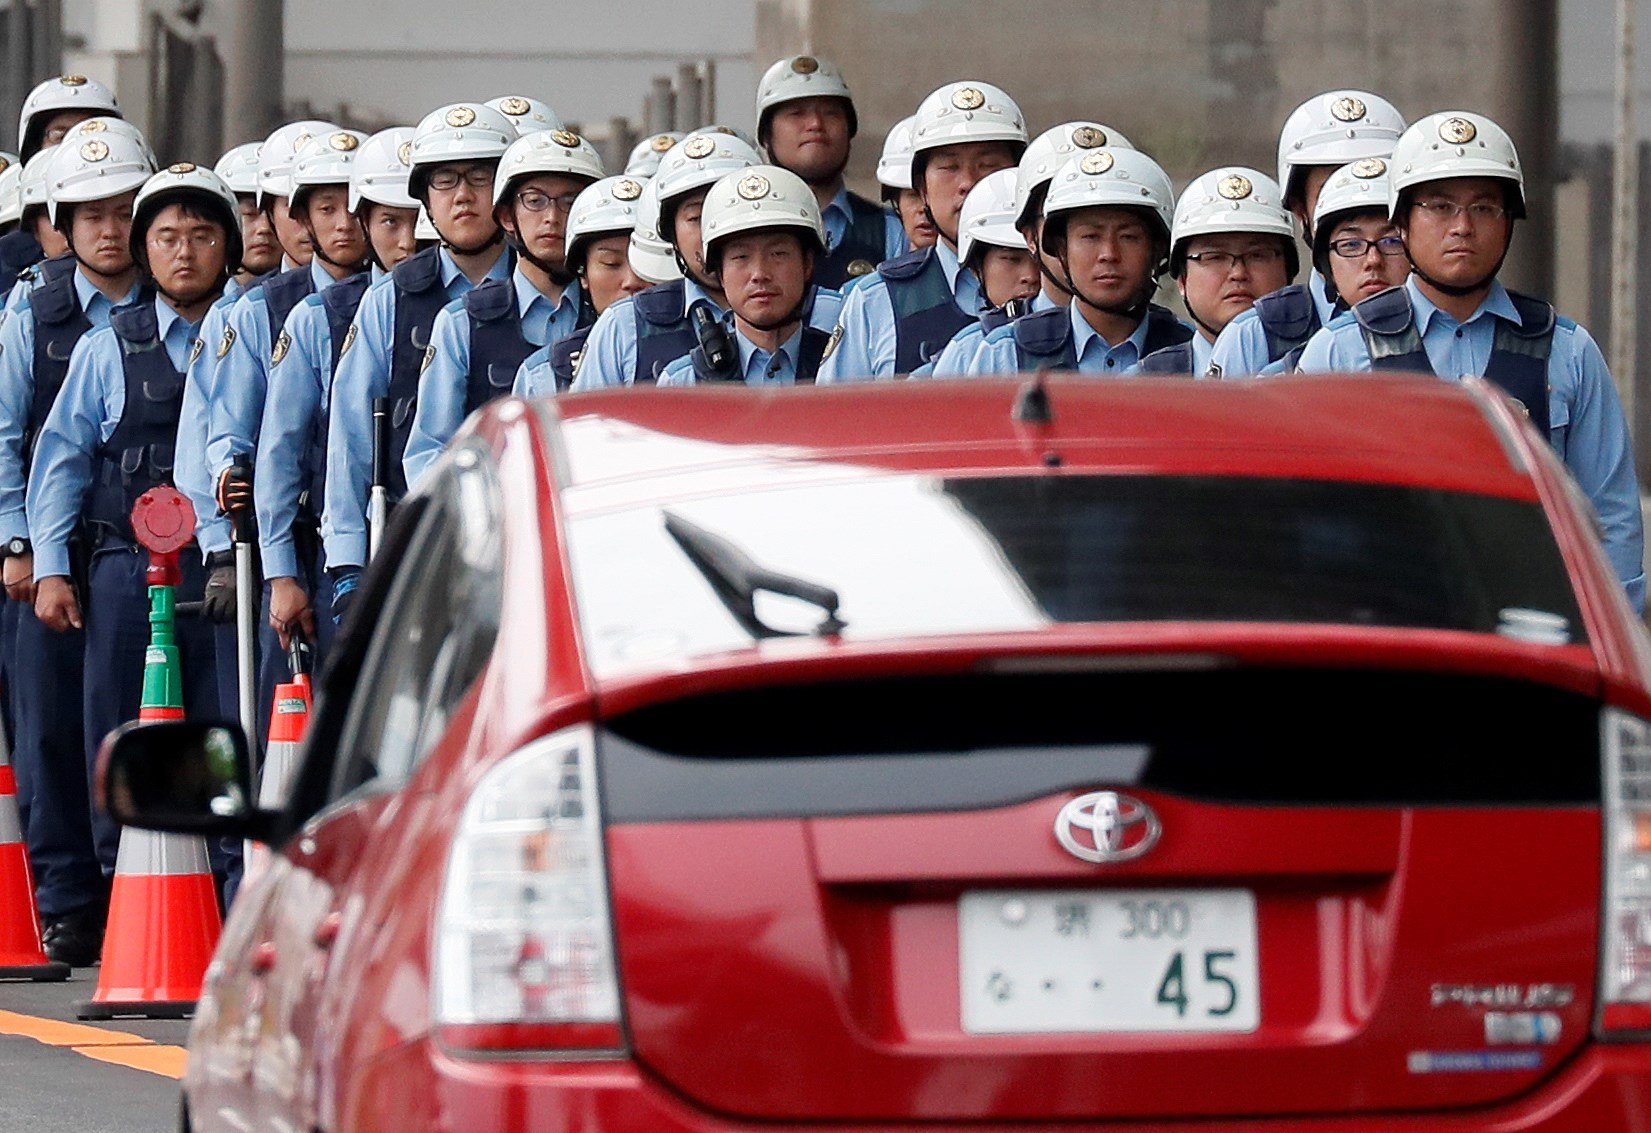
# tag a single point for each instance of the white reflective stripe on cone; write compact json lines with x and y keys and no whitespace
{"x":279,"y":763}
{"x":11,"y":826}
{"x":148,"y":854}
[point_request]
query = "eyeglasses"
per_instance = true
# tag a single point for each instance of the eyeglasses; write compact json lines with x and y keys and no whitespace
{"x":535,"y":201}
{"x":1225,"y":261}
{"x":1479,"y":212}
{"x":172,"y":241}
{"x":478,"y":177}
{"x":1356,"y":247}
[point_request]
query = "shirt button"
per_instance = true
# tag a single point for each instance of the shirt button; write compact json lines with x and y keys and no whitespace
{"x":1110,"y":362}
{"x":1458,"y":332}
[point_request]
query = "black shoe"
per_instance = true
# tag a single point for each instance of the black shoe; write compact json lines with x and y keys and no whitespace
{"x":76,"y":938}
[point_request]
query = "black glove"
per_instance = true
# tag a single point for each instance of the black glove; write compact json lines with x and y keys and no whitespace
{"x":346,"y":582}
{"x":218,"y":603}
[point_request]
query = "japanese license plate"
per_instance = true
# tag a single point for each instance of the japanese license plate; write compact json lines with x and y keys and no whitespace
{"x":1085,"y":960}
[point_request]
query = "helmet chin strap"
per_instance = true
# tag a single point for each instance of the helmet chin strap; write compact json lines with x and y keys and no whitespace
{"x":1456,"y":289}
{"x":475,"y":249}
{"x":1196,"y":317}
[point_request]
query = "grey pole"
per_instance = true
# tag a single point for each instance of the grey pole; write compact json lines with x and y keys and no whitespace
{"x":254,"y":58}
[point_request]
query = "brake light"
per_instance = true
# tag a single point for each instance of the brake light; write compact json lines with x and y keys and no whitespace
{"x":1625,"y":974}
{"x":524,"y":948}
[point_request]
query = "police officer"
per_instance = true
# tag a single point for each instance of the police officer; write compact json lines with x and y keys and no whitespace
{"x":806,"y":120}
{"x":260,"y":252}
{"x":1356,"y":245}
{"x":454,"y":156}
{"x":896,"y":322}
{"x":528,"y":115}
{"x":1106,"y":220}
{"x":900,"y":199}
{"x":646,"y":155}
{"x":1321,"y":135}
{"x":289,"y":491}
{"x":761,"y":232}
{"x":36,"y":241}
{"x":57,"y":104}
{"x":1232,"y":242}
{"x":599,"y":233}
{"x":480,"y":340}
{"x":651,"y":256}
{"x":989,"y":245}
{"x":19,"y":248}
{"x":1455,"y":192}
{"x":1047,"y":153}
{"x":637,"y":338}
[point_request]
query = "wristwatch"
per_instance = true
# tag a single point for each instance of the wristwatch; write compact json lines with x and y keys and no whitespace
{"x":18,"y":546}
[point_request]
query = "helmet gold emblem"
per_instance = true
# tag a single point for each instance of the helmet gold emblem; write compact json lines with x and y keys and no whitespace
{"x":968,"y":98}
{"x":699,"y":147}
{"x":805,"y":64}
{"x":1088,"y":137}
{"x":566,"y":138}
{"x":1457,"y":131}
{"x":516,"y":107}
{"x":460,"y":117}
{"x":626,"y":190}
{"x":1349,"y":109}
{"x":1369,"y":167}
{"x":94,"y":150}
{"x":754,"y":187}
{"x":1235,"y":187}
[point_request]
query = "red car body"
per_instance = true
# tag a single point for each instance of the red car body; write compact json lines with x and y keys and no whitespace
{"x":797,"y":963}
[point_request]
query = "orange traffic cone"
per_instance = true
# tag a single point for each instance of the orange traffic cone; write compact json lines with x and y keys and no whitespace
{"x":21,"y":957}
{"x":288,"y":721}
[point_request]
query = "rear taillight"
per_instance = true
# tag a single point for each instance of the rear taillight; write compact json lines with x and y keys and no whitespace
{"x":524,"y":951}
{"x":1625,"y":971}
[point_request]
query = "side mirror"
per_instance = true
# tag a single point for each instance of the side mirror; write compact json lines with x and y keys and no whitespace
{"x":180,"y":777}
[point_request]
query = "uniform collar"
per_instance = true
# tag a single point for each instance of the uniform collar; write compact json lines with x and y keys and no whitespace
{"x":754,"y":356}
{"x":87,"y":293}
{"x":527,"y":294}
{"x":1082,"y":332}
{"x":166,"y":318}
{"x":1496,"y":303}
{"x":375,"y":273}
{"x":501,"y":269}
{"x":840,"y":204}
{"x":965,"y":287}
{"x":319,"y":276}
{"x":693,"y":293}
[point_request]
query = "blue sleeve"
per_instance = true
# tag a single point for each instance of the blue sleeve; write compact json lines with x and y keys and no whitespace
{"x":1332,"y":349}
{"x":955,"y":357}
{"x":82,"y":418}
{"x":189,"y":471}
{"x":1240,"y":349}
{"x":16,"y":395}
{"x":363,"y":375}
{"x":609,"y":358}
{"x":995,"y":355}
{"x":862,"y":347}
{"x":1597,"y":448}
{"x":534,"y":376}
{"x":237,"y":406}
{"x":290,"y":412}
{"x":441,"y":389}
{"x":679,"y":373}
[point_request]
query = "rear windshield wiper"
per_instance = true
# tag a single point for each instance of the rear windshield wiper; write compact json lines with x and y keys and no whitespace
{"x":736,"y":578}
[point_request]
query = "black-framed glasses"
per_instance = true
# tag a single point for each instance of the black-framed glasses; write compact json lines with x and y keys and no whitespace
{"x":1357,"y":247}
{"x":1224,"y":262}
{"x":477,"y":177}
{"x":533,"y":200}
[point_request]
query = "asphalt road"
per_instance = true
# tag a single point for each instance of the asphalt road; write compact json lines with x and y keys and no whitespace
{"x":57,"y":1073}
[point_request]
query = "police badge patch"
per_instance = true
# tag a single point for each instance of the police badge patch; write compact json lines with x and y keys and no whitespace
{"x":429,"y":357}
{"x":349,"y":341}
{"x":831,"y":347}
{"x":195,"y":348}
{"x":283,"y":343}
{"x":226,"y":342}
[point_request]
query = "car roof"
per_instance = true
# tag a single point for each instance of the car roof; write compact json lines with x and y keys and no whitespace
{"x":629,"y":447}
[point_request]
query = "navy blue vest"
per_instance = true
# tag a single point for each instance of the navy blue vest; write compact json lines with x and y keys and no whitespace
{"x":19,"y":251}
{"x":497,"y":344}
{"x":1043,"y":339}
{"x":1175,"y":359}
{"x":809,"y":352}
{"x":419,"y":299}
{"x":340,"y":303}
{"x":663,"y":332}
{"x":862,"y":248}
{"x":1289,"y":317}
{"x":59,"y":323}
{"x":282,"y":293}
{"x":925,"y":310}
{"x":138,"y":454}
{"x":564,"y":357}
{"x":1519,"y":353}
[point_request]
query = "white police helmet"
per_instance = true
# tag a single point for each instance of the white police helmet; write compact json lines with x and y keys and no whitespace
{"x":7,"y":160}
{"x":988,"y":216}
{"x":279,"y":152}
{"x":966,"y":111}
{"x":94,"y":170}
{"x":424,"y":228}
{"x":697,"y":162}
{"x":802,"y":76}
{"x":1359,"y":186}
{"x":731,"y":131}
{"x":1455,"y":143}
{"x":1334,"y":128}
{"x":1048,"y":152}
{"x":651,"y":256}
{"x":379,"y":175}
{"x":1108,"y":177}
{"x":326,"y":159}
{"x":528,"y":115}
{"x":755,"y":198}
{"x":606,"y":208}
{"x":239,"y":169}
{"x":70,"y":92}
{"x":646,"y":154}
{"x":894,"y":166}
{"x":545,"y":151}
{"x":200,"y":187}
{"x":1232,"y":198}
{"x":462,"y":131}
{"x":104,"y":125}
{"x":11,"y":194}
{"x":31,"y":187}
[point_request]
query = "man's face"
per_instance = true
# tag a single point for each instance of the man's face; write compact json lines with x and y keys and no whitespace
{"x":1310,"y":183}
{"x":101,"y":232}
{"x":1369,"y":271}
{"x":809,"y":136}
{"x":186,"y":254}
{"x":765,"y":276}
{"x":1227,"y":272}
{"x":290,"y":233}
{"x":952,"y":171}
{"x":608,"y":274}
{"x":333,"y":228}
{"x":919,"y":231}
{"x":259,"y":250}
{"x":390,"y":230}
{"x":685,"y":230}
{"x":52,"y":242}
{"x":1110,"y":253}
{"x":536,"y":214}
{"x":1457,"y":231}
{"x":460,"y":201}
{"x":1007,"y":273}
{"x":61,"y":123}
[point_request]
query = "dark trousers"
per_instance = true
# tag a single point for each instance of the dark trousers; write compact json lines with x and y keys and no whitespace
{"x":53,"y":759}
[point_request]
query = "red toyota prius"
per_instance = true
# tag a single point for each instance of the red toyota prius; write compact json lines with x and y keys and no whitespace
{"x":1125,"y":755}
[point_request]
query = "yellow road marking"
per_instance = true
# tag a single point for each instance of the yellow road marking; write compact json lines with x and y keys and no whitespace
{"x":116,"y":1047}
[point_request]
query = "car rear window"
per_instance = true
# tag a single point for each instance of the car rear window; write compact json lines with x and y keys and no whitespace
{"x":921,"y":555}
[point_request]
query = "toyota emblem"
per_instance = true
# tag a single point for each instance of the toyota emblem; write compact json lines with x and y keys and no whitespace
{"x":1105,"y":827}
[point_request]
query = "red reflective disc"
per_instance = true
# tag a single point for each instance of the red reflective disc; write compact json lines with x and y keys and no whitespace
{"x":163,"y":520}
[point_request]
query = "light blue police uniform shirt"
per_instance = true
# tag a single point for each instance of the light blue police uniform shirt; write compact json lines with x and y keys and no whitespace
{"x":865,"y":350}
{"x":17,"y":391}
{"x":85,"y":417}
{"x":997,"y":354}
{"x":758,"y":366}
{"x":190,"y":473}
{"x":953,"y":361}
{"x":362,"y":377}
{"x":609,"y":357}
{"x":838,"y":214}
{"x":535,"y":377}
{"x":237,"y":406}
{"x":444,"y":382}
{"x":1241,"y":347}
{"x":1585,"y":419}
